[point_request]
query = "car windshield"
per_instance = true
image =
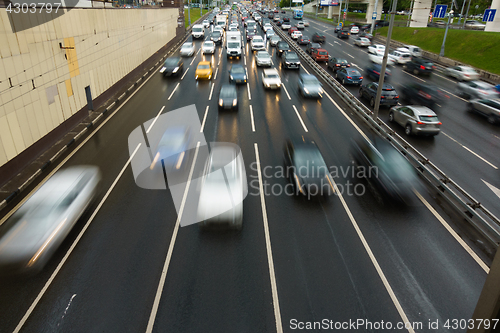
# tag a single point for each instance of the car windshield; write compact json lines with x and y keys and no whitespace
{"x":257,"y":39}
{"x":216,"y":34}
{"x":233,"y":45}
{"x":208,"y":44}
{"x":310,"y":81}
{"x":197,"y":29}
{"x":272,"y":76}
{"x":341,"y":61}
{"x":227,"y":92}
{"x":203,"y":66}
{"x":428,"y":118}
{"x":171,"y":62}
{"x":187,"y":46}
{"x":238,"y":70}
{"x":292,"y":56}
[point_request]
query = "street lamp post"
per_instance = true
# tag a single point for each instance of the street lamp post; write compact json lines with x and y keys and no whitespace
{"x":441,"y":54}
{"x":373,"y":19}
{"x":189,"y":12}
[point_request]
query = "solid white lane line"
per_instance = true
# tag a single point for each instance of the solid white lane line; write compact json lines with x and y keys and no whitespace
{"x":330,"y":44}
{"x":211,"y":91}
{"x":374,"y":261}
{"x":357,"y":66}
{"x":492,"y":188}
{"x":466,"y":101}
{"x":470,"y":151}
{"x":286,"y":91}
{"x":249,"y":95}
{"x":349,"y":55}
{"x":251,"y":118}
{"x":216,"y":71}
{"x":204,"y":119}
{"x":272,"y":276}
{"x":305,"y":70}
{"x":185,"y":72}
{"x":245,"y":60}
{"x":416,"y":77}
{"x":169,"y":97}
{"x":444,"y":77}
{"x":300,"y":118}
{"x":156,"y":118}
{"x":163,"y":277}
{"x":453,"y":233}
{"x":348,"y":118}
{"x":70,"y":250}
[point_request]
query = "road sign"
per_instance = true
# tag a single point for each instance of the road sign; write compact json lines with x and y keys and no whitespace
{"x":489,"y":15}
{"x":440,"y":11}
{"x":374,"y":16}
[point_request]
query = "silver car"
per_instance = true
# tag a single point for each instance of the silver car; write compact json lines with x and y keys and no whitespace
{"x":223,"y":188}
{"x":477,"y":90}
{"x":416,"y":119}
{"x":262,"y":58}
{"x":274,"y":40}
{"x":487,"y":107}
{"x":187,"y":49}
{"x":34,"y":232}
{"x":462,"y":73}
{"x":362,"y":41}
{"x":208,"y":47}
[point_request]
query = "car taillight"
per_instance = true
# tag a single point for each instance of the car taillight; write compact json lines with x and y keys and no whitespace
{"x":433,"y":67}
{"x":349,"y":77}
{"x":424,"y":95}
{"x":440,"y":123}
{"x":422,"y":67}
{"x":348,"y":65}
{"x":483,"y":92}
{"x":337,"y":65}
{"x":361,"y":78}
{"x":376,"y":72}
{"x":397,"y":97}
{"x":382,"y":96}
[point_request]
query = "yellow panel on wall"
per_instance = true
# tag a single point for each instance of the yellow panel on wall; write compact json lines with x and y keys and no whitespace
{"x":69,"y":89}
{"x":74,"y":70}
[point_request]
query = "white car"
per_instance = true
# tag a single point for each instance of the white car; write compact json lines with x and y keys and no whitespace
{"x":258,"y":43}
{"x":286,"y":26}
{"x":377,"y":58}
{"x":411,"y":49}
{"x":208,"y":47}
{"x":306,"y":23}
{"x":223,"y":187}
{"x":206,"y":23}
{"x":300,"y":25}
{"x":187,"y":49}
{"x":267,"y":26}
{"x":262,"y":58}
{"x":296,"y":34}
{"x":271,"y":79}
{"x":376,"y":49}
{"x":269,"y":33}
{"x":354,"y":30}
{"x":462,"y":73}
{"x":400,"y":57}
{"x":362,"y":41}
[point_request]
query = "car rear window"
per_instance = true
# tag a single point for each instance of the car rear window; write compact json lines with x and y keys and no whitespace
{"x":429,"y":118}
{"x":323,"y":53}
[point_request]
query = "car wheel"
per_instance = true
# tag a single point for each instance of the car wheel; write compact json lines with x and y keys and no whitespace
{"x":391,"y":117}
{"x":372,"y":102}
{"x":408,"y":130}
{"x":492,"y":119}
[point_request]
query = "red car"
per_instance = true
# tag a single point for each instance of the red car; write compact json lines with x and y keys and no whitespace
{"x":319,"y":55}
{"x":292,"y":29}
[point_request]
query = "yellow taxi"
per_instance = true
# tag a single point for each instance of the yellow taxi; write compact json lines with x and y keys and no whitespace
{"x":204,"y":70}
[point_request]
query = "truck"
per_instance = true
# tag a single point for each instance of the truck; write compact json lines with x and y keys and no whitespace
{"x":233,"y":44}
{"x":198,"y":31}
{"x":221,"y":21}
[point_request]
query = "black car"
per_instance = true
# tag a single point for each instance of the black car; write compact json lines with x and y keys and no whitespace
{"x":381,"y":23}
{"x":337,"y":63}
{"x":228,"y":97}
{"x":365,"y":27}
{"x":290,"y":59}
{"x":282,"y":47}
{"x":312,"y":46}
{"x":318,"y":37}
{"x":344,"y":33}
{"x":369,"y":91}
{"x":250,"y":34}
{"x":172,"y":66}
{"x":373,"y":72}
{"x":392,"y":178}
{"x":216,"y":37}
{"x":304,"y":40}
{"x":286,"y":19}
{"x":419,"y":66}
{"x":366,"y":35}
{"x":237,"y":74}
{"x":306,"y":169}
{"x":423,"y":94}
{"x":278,"y":23}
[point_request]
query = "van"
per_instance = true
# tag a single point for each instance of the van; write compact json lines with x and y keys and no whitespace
{"x":198,"y":31}
{"x":413,"y":50}
{"x":233,"y":44}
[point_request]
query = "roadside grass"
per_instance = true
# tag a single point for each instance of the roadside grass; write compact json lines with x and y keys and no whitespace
{"x":476,"y":48}
{"x":195,"y":15}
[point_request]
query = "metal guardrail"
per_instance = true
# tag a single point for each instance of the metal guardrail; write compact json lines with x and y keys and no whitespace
{"x":468,"y":207}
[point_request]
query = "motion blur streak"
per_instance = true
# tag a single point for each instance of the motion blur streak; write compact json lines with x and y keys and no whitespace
{"x":47,"y":242}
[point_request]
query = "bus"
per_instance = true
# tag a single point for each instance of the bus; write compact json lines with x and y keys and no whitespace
{"x":297,"y":14}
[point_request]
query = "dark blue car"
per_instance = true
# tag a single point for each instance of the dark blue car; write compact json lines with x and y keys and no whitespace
{"x":237,"y":74}
{"x":373,"y":72}
{"x":349,"y":76}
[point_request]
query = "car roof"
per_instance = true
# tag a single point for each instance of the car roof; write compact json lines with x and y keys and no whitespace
{"x":421,"y":110}
{"x":204,"y":63}
{"x":321,"y":50}
{"x":385,"y":86}
{"x":268,"y":71}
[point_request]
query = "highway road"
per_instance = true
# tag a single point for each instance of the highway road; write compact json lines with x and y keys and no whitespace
{"x":128,"y":266}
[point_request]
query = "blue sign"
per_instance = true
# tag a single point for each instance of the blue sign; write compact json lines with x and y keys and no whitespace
{"x":489,"y":15}
{"x":440,"y":11}
{"x":374,"y":16}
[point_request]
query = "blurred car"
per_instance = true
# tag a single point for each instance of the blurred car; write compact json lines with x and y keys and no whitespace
{"x":262,"y":58}
{"x":29,"y":237}
{"x":203,"y":70}
{"x":300,"y":25}
{"x":237,"y":74}
{"x":216,"y":37}
{"x":270,"y":33}
{"x":462,"y":73}
{"x":366,"y":35}
{"x":306,"y":169}
{"x":290,"y":59}
{"x":471,"y":24}
{"x":292,"y":29}
{"x":400,"y":57}
{"x":318,"y":37}
{"x":378,"y":58}
{"x":312,"y":46}
{"x":278,"y":23}
{"x":354,"y":30}
{"x":232,"y":28}
{"x":304,"y":40}
{"x":362,"y":41}
{"x":309,"y":86}
{"x":187,"y":49}
{"x":285,"y":25}
{"x":273,"y":41}
{"x":208,"y":47}
{"x":394,"y":178}
{"x":282,"y":47}
{"x":349,"y":76}
{"x":173,"y":149}
{"x":250,"y":35}
{"x":223,"y":188}
{"x":419,"y":66}
{"x":228,"y":97}
{"x":415,"y":51}
{"x":206,"y":23}
{"x":488,"y":107}
{"x":376,"y":49}
{"x":172,"y":66}
{"x":423,"y":94}
{"x":364,"y":27}
{"x":306,"y":23}
{"x":320,"y":55}
{"x":276,"y":18}
{"x":374,"y":71}
{"x":258,"y":43}
{"x":381,"y":23}
{"x":337,"y":63}
{"x":296,"y":34}
{"x":389,"y":95}
{"x":271,"y":79}
{"x":477,"y":90}
{"x":418,"y":120}
{"x":344,"y":33}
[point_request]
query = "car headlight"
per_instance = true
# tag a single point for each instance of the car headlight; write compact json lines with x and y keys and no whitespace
{"x":306,"y":91}
{"x":162,"y":69}
{"x":175,"y":69}
{"x":244,"y":77}
{"x":279,"y":84}
{"x":220,"y":102}
{"x":231,"y":77}
{"x":235,"y":101}
{"x":287,"y":62}
{"x":266,"y":84}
